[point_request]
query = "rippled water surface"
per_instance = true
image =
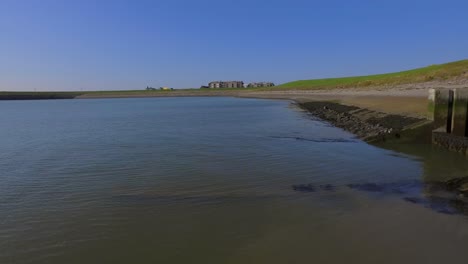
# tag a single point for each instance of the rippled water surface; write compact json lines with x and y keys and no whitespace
{"x":213,"y":180}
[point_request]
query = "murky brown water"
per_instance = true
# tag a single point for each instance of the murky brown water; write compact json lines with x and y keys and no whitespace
{"x":214,"y":180}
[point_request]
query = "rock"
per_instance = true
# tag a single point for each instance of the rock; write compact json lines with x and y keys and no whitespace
{"x":458,"y":184}
{"x":463,"y":189}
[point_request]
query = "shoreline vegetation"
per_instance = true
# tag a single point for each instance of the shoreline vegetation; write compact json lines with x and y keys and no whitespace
{"x":374,"y":108}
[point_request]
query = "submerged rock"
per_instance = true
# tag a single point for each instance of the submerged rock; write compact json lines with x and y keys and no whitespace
{"x":459,"y":185}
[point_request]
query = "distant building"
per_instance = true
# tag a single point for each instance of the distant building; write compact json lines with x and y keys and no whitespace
{"x":165,"y":88}
{"x":260,"y":84}
{"x":229,"y":84}
{"x":150,"y":88}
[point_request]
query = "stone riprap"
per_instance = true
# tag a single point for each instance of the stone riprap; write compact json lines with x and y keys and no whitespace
{"x":367,"y":125}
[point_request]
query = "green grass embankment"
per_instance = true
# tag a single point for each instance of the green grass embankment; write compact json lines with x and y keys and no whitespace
{"x":440,"y":72}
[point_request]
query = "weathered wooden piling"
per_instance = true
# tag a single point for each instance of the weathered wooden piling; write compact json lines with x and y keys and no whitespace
{"x":449,"y":111}
{"x":460,"y":112}
{"x":438,"y":107}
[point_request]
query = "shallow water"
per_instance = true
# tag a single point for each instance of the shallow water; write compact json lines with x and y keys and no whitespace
{"x":213,"y":180}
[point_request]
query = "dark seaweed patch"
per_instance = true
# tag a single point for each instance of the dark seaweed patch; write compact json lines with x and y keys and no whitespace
{"x":440,"y":205}
{"x":304,"y":188}
{"x":319,"y":140}
{"x":415,"y":200}
{"x":312,"y":188}
{"x":445,"y":197}
{"x":441,"y":197}
{"x":328,"y":188}
{"x":367,"y":187}
{"x":389,"y":188}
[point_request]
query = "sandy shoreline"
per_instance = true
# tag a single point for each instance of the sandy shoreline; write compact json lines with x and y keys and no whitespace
{"x":401,"y":101}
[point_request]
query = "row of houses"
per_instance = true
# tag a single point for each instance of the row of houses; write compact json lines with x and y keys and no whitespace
{"x":148,"y":88}
{"x":260,"y":84}
{"x":228,"y":84}
{"x":236,"y":84}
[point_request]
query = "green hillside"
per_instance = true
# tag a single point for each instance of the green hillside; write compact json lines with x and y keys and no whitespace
{"x":434,"y":72}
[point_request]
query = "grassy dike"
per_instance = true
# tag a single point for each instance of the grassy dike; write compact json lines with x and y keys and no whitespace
{"x":441,"y":72}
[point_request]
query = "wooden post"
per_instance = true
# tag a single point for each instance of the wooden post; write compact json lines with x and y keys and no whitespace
{"x":466,"y":121}
{"x":450,"y":112}
{"x":438,"y":107}
{"x":460,"y":101}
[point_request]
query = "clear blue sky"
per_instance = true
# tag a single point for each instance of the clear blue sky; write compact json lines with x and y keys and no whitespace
{"x":116,"y":44}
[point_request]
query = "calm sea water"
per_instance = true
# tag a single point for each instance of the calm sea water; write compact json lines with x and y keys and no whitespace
{"x":210,"y":180}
